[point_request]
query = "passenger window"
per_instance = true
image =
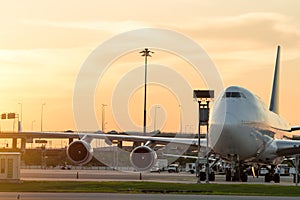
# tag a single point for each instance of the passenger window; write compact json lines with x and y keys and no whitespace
{"x":233,"y":95}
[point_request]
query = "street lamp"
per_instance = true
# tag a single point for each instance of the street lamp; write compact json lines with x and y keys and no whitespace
{"x":42,"y":112}
{"x":180,"y":118}
{"x":32,"y":124}
{"x":103,"y":117}
{"x":21,"y":114}
{"x":145,"y":53}
{"x":155,"y":116}
{"x":20,"y":119}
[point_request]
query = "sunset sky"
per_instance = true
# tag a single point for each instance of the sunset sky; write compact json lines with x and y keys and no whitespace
{"x":43,"y":44}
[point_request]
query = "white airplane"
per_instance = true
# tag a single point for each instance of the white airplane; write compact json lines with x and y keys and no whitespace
{"x":243,"y":131}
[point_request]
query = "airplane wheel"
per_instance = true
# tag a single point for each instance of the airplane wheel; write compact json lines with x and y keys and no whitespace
{"x":276,"y":178}
{"x":236,"y":176}
{"x":212,"y":176}
{"x":228,"y":175}
{"x":244,"y":177}
{"x":267,"y":178}
{"x":294,"y":178}
{"x":202,"y":176}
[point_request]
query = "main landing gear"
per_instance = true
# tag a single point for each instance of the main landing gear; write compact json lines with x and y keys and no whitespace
{"x":272,"y":175}
{"x":239,"y":172}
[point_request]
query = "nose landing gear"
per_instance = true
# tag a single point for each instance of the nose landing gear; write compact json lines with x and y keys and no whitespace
{"x":237,"y":171}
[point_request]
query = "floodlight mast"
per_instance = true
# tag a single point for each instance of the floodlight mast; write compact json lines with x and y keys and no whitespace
{"x":103,"y":117}
{"x":42,"y":115}
{"x":145,"y":53}
{"x":203,"y":98}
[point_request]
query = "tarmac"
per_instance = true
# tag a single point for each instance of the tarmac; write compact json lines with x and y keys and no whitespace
{"x":114,"y":196}
{"x":114,"y":175}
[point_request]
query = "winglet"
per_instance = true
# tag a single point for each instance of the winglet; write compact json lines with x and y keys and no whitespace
{"x":275,"y":89}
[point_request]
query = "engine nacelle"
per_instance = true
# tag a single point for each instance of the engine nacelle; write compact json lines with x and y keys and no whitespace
{"x":143,"y":158}
{"x":80,"y":152}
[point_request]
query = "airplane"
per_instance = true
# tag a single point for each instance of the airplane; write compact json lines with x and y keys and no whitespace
{"x":242,"y":131}
{"x":247,"y":132}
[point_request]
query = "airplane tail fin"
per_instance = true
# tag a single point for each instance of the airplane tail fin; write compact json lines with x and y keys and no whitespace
{"x":274,"y":103}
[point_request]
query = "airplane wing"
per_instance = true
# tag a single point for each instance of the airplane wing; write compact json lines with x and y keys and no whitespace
{"x":287,"y":147}
{"x":128,"y":136}
{"x":180,"y":156}
{"x":80,"y":152}
{"x":139,"y":138}
{"x":295,"y":128}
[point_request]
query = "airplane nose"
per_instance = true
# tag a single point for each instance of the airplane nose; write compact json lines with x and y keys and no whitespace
{"x":227,"y":118}
{"x":230,"y":119}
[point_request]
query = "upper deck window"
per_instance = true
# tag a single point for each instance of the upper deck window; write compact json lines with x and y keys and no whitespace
{"x":234,"y":95}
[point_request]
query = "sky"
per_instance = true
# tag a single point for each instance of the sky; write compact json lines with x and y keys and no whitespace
{"x":43,"y":45}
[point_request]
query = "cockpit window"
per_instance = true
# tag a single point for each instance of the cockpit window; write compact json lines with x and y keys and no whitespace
{"x":234,"y":95}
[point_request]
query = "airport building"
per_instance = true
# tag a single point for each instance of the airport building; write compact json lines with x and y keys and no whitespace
{"x":9,"y":166}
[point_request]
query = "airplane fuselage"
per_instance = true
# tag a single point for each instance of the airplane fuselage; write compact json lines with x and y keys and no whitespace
{"x":242,"y":125}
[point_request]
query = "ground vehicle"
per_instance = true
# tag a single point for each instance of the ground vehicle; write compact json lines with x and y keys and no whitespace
{"x":263,"y":171}
{"x":173,"y":168}
{"x":160,"y":165}
{"x":66,"y":167}
{"x":190,"y":167}
{"x":284,"y":169}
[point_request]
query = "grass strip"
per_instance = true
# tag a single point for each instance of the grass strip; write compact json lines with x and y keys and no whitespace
{"x":151,"y":187}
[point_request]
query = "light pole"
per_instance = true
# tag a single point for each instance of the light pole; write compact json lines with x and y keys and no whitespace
{"x":180,"y":118}
{"x":145,"y":53}
{"x":42,"y":112}
{"x":32,"y":124}
{"x":21,"y":118}
{"x":103,"y":117}
{"x":21,"y":114}
{"x":203,"y":98}
{"x":155,"y":117}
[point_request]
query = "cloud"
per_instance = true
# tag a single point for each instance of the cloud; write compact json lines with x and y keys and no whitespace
{"x":246,"y":42}
{"x":36,"y":69}
{"x":113,"y":27}
{"x":250,"y":30}
{"x":222,"y":33}
{"x":54,"y":34}
{"x":38,"y":58}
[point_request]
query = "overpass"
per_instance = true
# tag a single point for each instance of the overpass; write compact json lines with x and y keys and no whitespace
{"x":28,"y":137}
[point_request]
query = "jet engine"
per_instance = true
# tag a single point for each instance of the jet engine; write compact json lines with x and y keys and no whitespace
{"x":143,"y":158}
{"x":80,"y":152}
